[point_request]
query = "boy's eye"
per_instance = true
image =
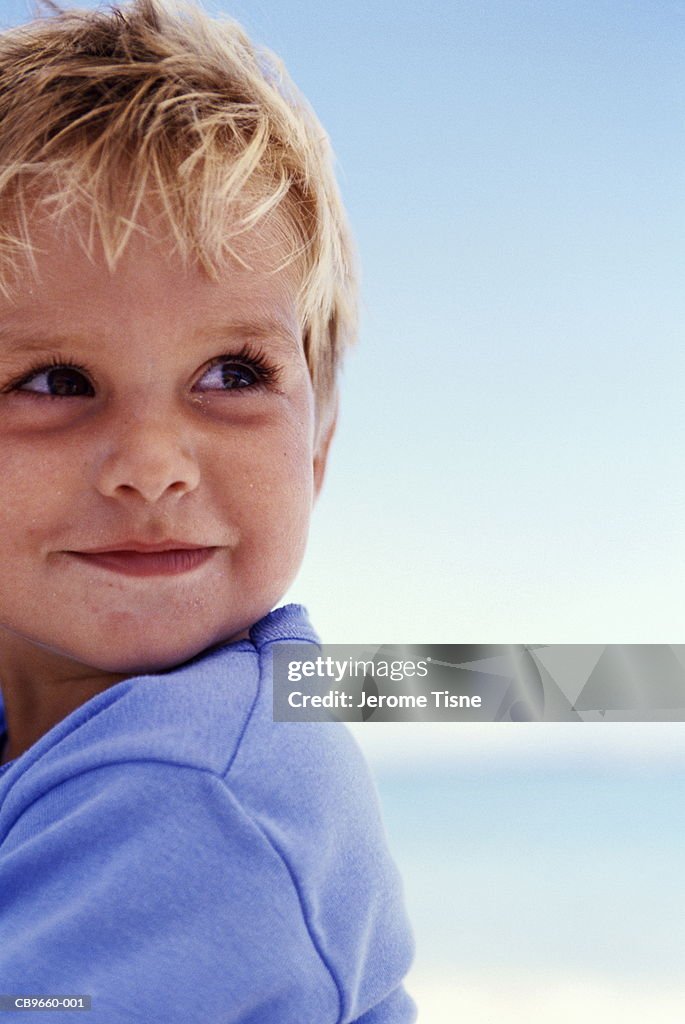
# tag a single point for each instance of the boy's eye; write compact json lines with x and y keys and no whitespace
{"x":59,"y":382}
{"x":229,"y":375}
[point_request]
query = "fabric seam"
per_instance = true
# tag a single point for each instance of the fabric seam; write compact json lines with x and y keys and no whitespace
{"x":250,"y":817}
{"x":315,"y":941}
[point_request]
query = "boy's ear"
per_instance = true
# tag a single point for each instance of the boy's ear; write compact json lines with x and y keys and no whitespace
{"x":323,"y":443}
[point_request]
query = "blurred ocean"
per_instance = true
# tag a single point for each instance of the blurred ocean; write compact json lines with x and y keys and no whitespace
{"x":542,"y":888}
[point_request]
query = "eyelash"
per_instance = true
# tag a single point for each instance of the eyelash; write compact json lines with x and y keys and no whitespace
{"x":42,"y":366}
{"x":268,"y":374}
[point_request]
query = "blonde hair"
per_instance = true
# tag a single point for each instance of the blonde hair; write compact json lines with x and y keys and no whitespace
{"x":104,"y":110}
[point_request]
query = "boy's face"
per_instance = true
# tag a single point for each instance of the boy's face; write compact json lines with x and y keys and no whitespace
{"x":150,"y":407}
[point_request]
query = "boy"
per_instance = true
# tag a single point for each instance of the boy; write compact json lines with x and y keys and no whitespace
{"x":176,"y":299}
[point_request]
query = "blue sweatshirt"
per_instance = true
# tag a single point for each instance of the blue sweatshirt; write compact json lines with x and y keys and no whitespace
{"x":171,"y":851}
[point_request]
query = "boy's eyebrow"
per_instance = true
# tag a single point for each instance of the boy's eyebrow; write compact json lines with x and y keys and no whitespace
{"x":268,"y":330}
{"x":256,"y":330}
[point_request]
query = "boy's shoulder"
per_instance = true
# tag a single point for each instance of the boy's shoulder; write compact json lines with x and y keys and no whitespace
{"x":194,"y":716}
{"x":176,"y":806}
{"x":213,"y":715}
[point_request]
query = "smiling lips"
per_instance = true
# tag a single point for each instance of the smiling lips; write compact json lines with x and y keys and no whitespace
{"x":169,"y":558}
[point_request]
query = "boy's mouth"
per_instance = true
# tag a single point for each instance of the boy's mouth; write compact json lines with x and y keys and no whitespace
{"x":137,"y":559}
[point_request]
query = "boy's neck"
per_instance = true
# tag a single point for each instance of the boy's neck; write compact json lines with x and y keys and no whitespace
{"x":39,"y":690}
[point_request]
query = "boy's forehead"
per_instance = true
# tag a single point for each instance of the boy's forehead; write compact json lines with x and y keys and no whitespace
{"x":71,"y":282}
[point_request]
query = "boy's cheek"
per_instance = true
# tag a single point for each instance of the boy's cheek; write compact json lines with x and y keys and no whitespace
{"x":273,"y":470}
{"x":273,"y":525}
{"x":24,"y":509}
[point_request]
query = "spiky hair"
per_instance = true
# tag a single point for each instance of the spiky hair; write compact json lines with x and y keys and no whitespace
{"x":105,"y":110}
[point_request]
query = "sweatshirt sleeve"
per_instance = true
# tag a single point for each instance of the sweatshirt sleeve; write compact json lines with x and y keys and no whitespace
{"x":308,"y":787}
{"x":147,"y":887}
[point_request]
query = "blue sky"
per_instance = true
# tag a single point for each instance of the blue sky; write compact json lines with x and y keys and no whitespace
{"x":509,"y":457}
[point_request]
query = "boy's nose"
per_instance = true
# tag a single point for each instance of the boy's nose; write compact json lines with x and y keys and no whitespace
{"x":148,"y":461}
